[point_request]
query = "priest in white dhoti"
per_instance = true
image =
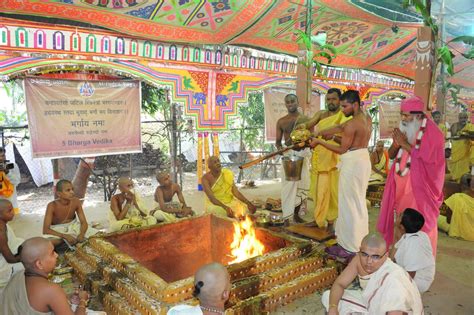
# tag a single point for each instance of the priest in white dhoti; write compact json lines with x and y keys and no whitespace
{"x":353,"y":220}
{"x":386,"y":287}
{"x":293,"y":192}
{"x":127,"y":208}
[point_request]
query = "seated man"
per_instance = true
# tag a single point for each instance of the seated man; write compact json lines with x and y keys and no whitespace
{"x":65,"y":219}
{"x":460,"y":217}
{"x":462,"y":151}
{"x":127,"y":208}
{"x":168,"y":209}
{"x":212,"y":288}
{"x":223,"y":197}
{"x":30,"y":292}
{"x":9,"y":243}
{"x":413,"y":249}
{"x":386,"y":287}
{"x":437,"y":118}
{"x":379,"y":160}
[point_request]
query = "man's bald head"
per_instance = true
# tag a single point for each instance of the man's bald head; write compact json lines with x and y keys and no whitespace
{"x":212,"y":283}
{"x":214,"y":164}
{"x":33,"y":250}
{"x":374,"y":241}
{"x":6,"y":210}
{"x":125,"y":183}
{"x":5,"y":204}
{"x":373,"y":253}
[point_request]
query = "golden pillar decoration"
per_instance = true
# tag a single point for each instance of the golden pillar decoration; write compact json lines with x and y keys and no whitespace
{"x":215,"y":144}
{"x":206,"y":150}
{"x":199,"y":160}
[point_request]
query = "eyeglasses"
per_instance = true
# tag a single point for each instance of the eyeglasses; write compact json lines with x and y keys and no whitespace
{"x":373,"y":257}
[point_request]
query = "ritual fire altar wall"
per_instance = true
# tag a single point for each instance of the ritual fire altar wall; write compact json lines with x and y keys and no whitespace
{"x":148,"y":270}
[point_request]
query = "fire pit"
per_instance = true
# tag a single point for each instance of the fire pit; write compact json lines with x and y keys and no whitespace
{"x":147,"y":270}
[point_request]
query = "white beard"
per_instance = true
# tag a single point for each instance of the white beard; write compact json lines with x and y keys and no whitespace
{"x":410,"y":129}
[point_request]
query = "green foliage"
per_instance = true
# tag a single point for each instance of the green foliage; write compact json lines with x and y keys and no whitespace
{"x":469,"y":40}
{"x":446,"y":56}
{"x":10,"y":120}
{"x":16,"y":116}
{"x":469,"y":54}
{"x":253,"y":114}
{"x":423,"y":10}
{"x":453,"y":89}
{"x":325,"y":51}
{"x":154,"y":100}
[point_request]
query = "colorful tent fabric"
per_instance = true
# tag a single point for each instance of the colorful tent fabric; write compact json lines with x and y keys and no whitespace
{"x":363,"y":40}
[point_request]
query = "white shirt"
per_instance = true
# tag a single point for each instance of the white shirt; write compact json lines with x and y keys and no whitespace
{"x":414,"y":253}
{"x":185,"y":310}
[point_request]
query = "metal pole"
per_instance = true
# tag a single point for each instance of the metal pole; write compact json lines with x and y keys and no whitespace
{"x":174,"y":146}
{"x":181,"y":162}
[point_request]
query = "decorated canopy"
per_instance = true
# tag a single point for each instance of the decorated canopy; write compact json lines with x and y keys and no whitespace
{"x":381,"y":40}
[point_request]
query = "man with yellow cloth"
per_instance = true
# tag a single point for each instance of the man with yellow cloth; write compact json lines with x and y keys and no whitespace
{"x":379,"y":160}
{"x":127,"y":209}
{"x":460,"y":223}
{"x":223,"y":197}
{"x":324,"y":172}
{"x":462,"y":154}
{"x":437,"y":119}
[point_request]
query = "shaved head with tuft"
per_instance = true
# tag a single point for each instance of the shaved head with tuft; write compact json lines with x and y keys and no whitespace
{"x":213,"y":281}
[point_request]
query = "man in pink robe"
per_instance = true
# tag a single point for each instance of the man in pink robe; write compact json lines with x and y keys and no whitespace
{"x":417,"y":184}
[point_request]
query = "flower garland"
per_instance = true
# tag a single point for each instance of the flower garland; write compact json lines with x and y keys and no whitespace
{"x":398,"y":159}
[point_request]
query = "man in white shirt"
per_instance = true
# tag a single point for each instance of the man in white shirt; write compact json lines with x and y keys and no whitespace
{"x":413,"y":249}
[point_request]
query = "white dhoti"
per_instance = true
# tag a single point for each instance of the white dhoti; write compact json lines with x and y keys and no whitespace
{"x":72,"y":228}
{"x":6,"y":269}
{"x":390,"y":288}
{"x":293,"y":193}
{"x":351,"y":302}
{"x":353,"y":221}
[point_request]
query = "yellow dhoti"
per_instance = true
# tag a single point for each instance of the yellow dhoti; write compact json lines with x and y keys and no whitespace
{"x":462,"y":221}
{"x":381,"y":166}
{"x":462,"y":155}
{"x":325,"y":176}
{"x":222,"y":190}
{"x":133,"y":217}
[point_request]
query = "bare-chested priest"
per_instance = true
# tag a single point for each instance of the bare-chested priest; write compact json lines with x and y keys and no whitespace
{"x":127,"y":208}
{"x":293,"y":193}
{"x":353,"y":221}
{"x":169,"y":210}
{"x":223,"y":197}
{"x":65,"y":218}
{"x":31,"y":293}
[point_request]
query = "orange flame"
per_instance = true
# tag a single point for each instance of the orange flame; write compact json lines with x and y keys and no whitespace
{"x":245,"y":244}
